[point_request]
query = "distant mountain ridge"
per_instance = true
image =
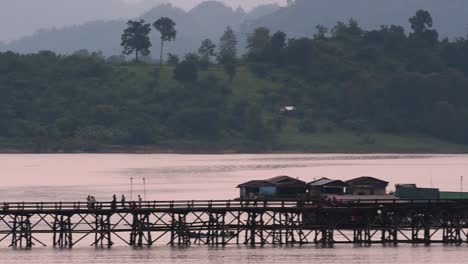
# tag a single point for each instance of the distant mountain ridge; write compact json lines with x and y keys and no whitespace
{"x":207,"y":20}
{"x":300,"y":18}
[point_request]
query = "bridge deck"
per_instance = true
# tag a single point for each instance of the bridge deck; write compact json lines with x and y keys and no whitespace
{"x":222,"y":222}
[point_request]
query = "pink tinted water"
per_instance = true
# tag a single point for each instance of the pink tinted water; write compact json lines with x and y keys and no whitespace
{"x":176,"y":177}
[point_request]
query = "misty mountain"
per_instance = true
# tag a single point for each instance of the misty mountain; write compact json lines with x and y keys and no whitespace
{"x":262,"y":10}
{"x":24,"y":17}
{"x":95,"y":36}
{"x":300,"y":18}
{"x":207,"y":20}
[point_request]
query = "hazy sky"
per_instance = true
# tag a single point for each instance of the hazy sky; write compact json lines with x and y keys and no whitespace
{"x":23,"y":17}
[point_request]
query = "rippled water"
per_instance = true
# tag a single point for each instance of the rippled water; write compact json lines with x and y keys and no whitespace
{"x":174,"y":177}
{"x":199,"y":255}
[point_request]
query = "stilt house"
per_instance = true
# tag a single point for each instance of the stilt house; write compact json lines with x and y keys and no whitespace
{"x":367,"y":186}
{"x":281,"y":187}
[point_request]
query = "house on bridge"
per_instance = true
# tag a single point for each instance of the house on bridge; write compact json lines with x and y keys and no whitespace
{"x":281,"y":187}
{"x":411,"y":191}
{"x":367,"y":186}
{"x":325,"y":186}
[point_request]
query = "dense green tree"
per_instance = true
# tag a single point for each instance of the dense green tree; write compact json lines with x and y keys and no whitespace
{"x":350,"y":31}
{"x":186,"y":72}
{"x":321,"y":33}
{"x":227,"y":55}
{"x":166,"y":28}
{"x":206,"y":51}
{"x":421,"y":24}
{"x":193,"y":57}
{"x":172,"y":59}
{"x":135,"y":38}
{"x":257,"y":42}
{"x":364,"y":81}
{"x":276,"y":48}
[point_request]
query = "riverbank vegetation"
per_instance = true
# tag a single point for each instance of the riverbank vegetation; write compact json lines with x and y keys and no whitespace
{"x":342,"y":90}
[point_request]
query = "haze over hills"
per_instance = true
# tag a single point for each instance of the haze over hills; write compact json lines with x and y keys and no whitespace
{"x":207,"y":20}
{"x":24,"y":17}
{"x":300,"y":19}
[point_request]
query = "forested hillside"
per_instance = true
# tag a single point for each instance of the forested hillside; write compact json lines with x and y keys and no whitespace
{"x":384,"y":80}
{"x":345,"y":89}
{"x":207,"y":20}
{"x":300,"y":17}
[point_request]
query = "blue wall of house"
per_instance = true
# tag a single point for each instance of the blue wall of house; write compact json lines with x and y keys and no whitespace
{"x":267,"y":191}
{"x":262,"y":191}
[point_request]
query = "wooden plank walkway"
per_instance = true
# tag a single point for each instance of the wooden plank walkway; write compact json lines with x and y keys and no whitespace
{"x":223,"y":222}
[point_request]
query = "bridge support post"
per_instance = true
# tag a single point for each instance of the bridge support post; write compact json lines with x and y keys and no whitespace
{"x":452,"y":229}
{"x":217,"y":231}
{"x":180,"y":234}
{"x":251,"y":229}
{"x":362,"y":236}
{"x":62,"y":231}
{"x":140,"y":227}
{"x":421,"y":223}
{"x":21,"y":233}
{"x":102,"y":231}
{"x":290,"y":224}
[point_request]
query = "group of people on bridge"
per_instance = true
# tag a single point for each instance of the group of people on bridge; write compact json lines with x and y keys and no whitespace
{"x":91,"y":202}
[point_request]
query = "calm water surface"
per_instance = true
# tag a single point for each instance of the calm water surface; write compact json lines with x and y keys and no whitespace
{"x":173,"y":177}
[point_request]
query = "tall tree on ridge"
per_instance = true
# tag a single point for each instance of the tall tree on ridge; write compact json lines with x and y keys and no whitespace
{"x":228,"y":52}
{"x":166,"y":28}
{"x":206,"y":51}
{"x":258,"y":41}
{"x":136,"y":38}
{"x":421,"y":23}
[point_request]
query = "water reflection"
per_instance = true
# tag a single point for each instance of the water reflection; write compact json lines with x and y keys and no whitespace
{"x":172,"y":177}
{"x":169,"y":177}
{"x":241,"y":254}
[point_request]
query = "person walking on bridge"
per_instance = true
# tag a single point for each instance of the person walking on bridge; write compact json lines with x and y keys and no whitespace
{"x":93,"y":202}
{"x":88,"y":201}
{"x":140,"y":200}
{"x":114,"y":202}
{"x":122,"y":201}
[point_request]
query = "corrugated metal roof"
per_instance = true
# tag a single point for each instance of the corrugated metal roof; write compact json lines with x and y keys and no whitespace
{"x":258,"y":183}
{"x":284,"y":179}
{"x":365,"y":178}
{"x":320,"y":182}
{"x":275,"y":181}
{"x":326,"y":181}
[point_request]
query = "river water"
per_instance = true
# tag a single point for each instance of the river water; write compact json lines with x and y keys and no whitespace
{"x":191,"y":177}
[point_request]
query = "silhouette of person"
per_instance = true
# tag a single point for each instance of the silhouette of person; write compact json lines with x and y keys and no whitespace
{"x":139,"y":200}
{"x":88,"y":201}
{"x":93,"y":202}
{"x":122,"y":201}
{"x":114,"y":202}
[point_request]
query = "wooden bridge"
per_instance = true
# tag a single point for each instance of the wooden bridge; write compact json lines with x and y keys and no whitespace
{"x":182,"y":223}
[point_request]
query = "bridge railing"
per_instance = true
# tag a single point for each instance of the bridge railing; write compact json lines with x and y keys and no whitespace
{"x":220,"y":204}
{"x":190,"y":204}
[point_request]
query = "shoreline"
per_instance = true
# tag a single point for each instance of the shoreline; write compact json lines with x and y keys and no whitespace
{"x":155,"y":150}
{"x":339,"y":142}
